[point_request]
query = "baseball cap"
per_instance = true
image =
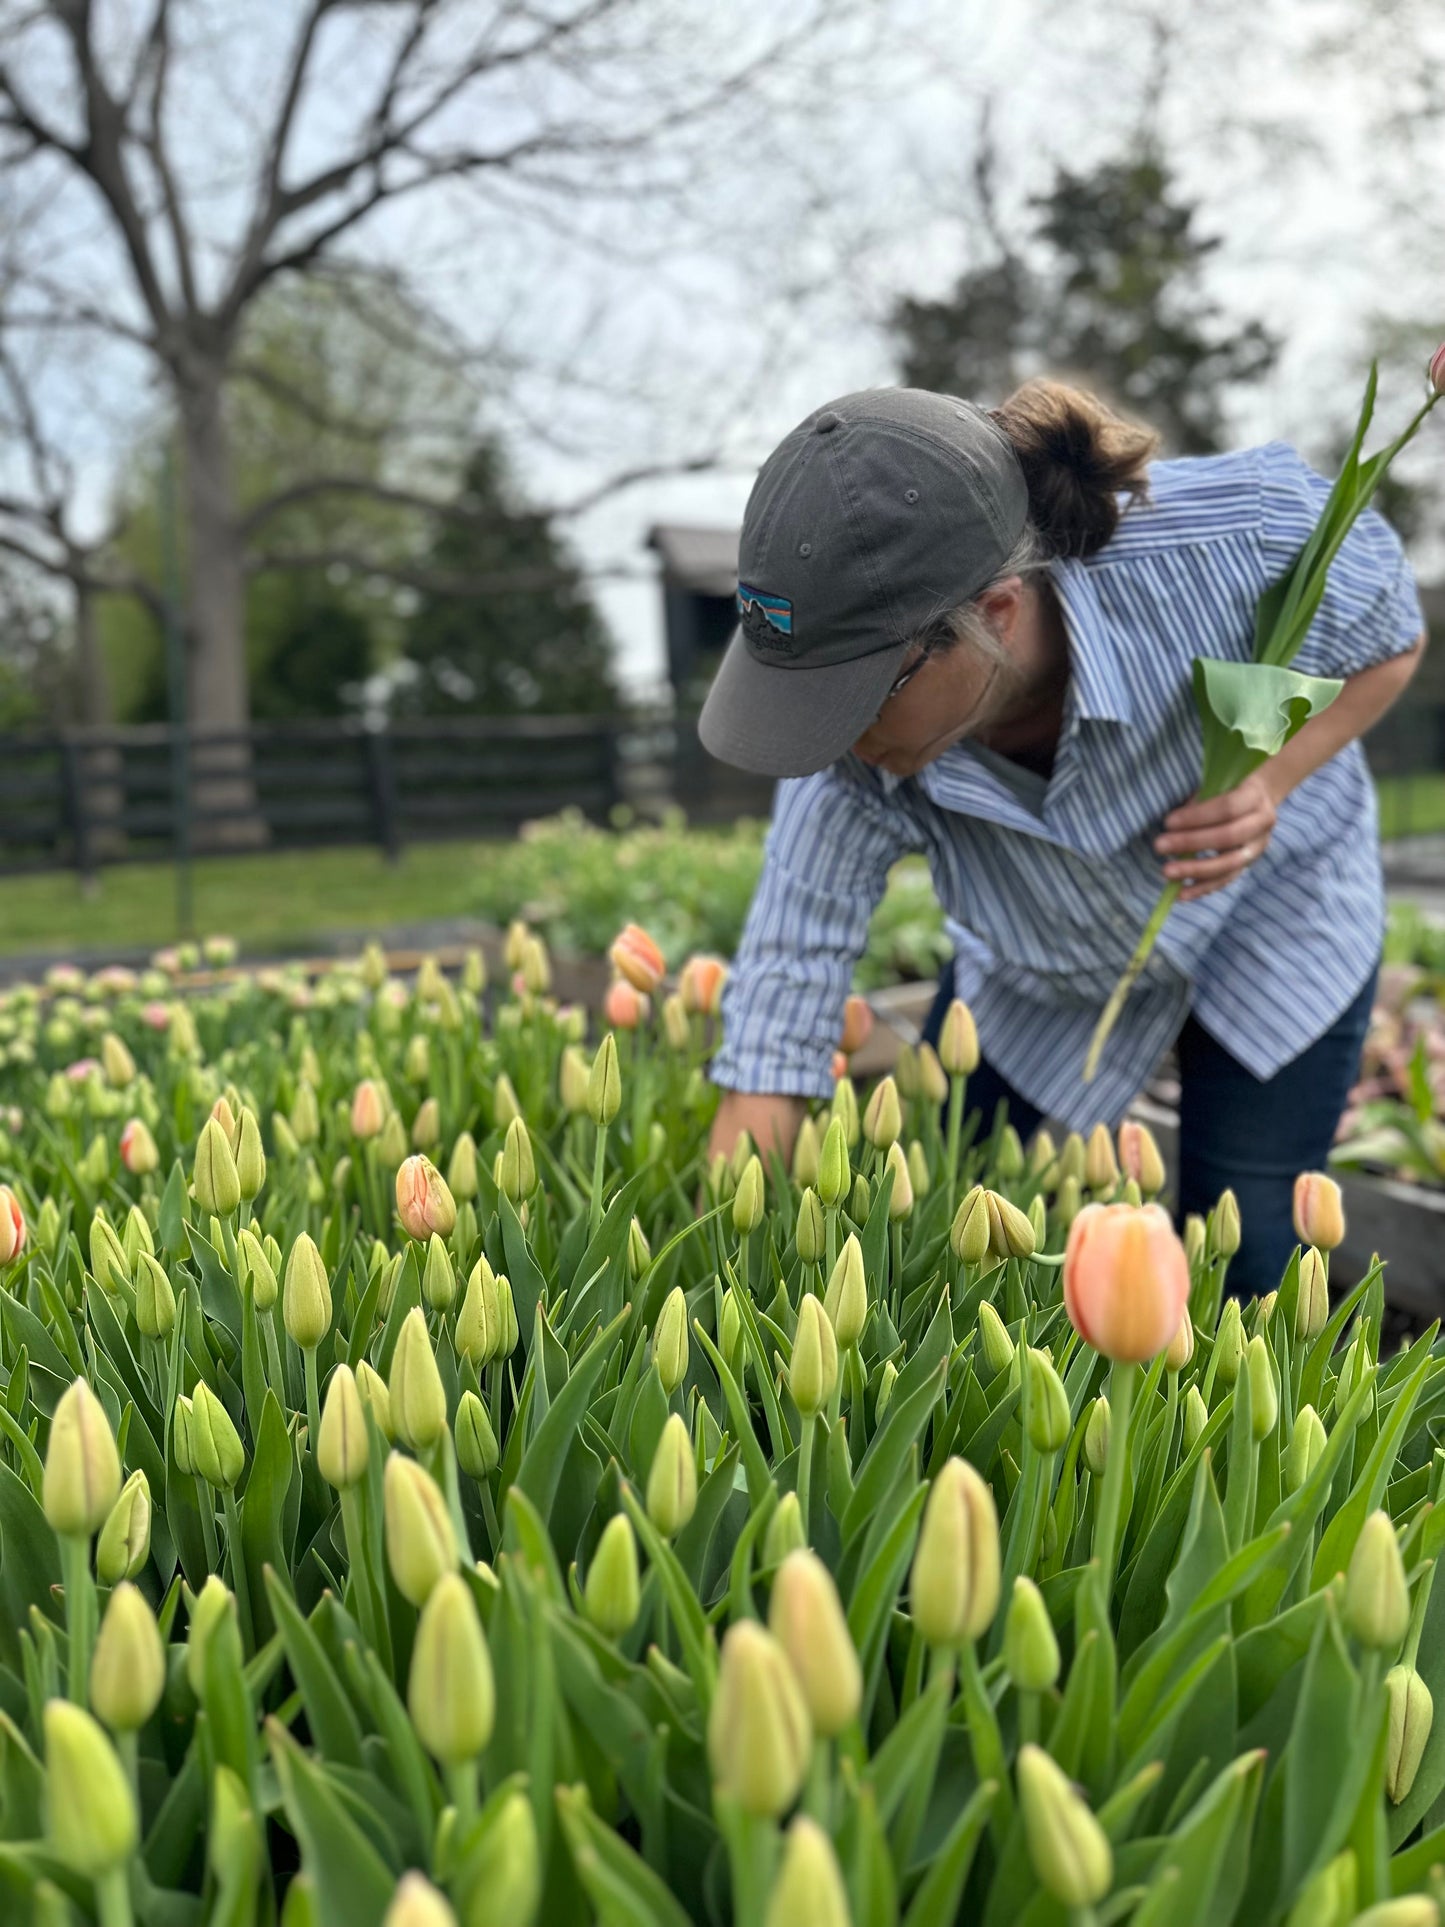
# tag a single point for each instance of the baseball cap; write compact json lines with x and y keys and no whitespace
{"x":878,"y":513}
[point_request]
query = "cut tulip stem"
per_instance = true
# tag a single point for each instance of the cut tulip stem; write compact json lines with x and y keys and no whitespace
{"x":1133,"y":970}
{"x":1122,"y":1381}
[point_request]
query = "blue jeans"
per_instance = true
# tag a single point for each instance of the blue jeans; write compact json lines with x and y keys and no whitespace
{"x":1235,"y":1129}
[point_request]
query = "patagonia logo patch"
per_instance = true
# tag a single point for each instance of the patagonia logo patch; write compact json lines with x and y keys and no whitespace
{"x":767,"y":619}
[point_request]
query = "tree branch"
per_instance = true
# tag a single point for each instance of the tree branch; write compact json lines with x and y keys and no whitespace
{"x":442,"y":582}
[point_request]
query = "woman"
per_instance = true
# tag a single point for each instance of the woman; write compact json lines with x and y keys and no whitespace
{"x":971,"y":633}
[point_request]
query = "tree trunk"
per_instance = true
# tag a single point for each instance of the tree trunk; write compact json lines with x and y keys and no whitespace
{"x":223,"y":794}
{"x":101,"y":770}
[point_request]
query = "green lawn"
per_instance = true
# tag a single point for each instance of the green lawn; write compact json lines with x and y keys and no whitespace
{"x":1412,"y":805}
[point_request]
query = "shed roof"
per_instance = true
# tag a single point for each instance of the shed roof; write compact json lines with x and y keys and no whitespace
{"x":698,"y":558}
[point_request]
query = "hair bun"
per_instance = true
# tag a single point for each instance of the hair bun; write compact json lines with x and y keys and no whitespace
{"x":1077,"y":456}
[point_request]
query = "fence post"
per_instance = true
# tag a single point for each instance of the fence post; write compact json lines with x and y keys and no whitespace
{"x":381,"y":782}
{"x":74,"y":788}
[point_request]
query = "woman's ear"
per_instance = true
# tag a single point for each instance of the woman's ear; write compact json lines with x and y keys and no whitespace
{"x":1002,"y":605}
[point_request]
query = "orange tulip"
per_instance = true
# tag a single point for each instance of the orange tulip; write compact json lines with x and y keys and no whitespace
{"x":1126,"y":1279}
{"x":368,"y":1113}
{"x":637,"y":958}
{"x":624,"y":1006}
{"x":857,"y":1023}
{"x":701,"y":985}
{"x":12,"y":1225}
{"x":1319,"y":1210}
{"x":839,"y":1065}
{"x":423,"y":1202}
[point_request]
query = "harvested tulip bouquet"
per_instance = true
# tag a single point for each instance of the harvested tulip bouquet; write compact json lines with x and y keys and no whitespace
{"x":431,"y":1492}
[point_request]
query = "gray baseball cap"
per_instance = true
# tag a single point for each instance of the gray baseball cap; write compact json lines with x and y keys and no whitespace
{"x":878,"y":513}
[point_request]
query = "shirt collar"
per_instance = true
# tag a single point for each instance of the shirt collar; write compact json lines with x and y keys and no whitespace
{"x":1099,"y":692}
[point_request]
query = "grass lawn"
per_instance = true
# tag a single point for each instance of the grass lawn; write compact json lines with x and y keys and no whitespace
{"x":1412,"y":805}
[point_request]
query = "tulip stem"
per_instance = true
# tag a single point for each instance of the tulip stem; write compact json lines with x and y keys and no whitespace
{"x":354,"y":1526}
{"x":751,"y":1844}
{"x":1028,"y":1719}
{"x":80,"y":1612}
{"x":489,"y":1515}
{"x":955,"y":1126}
{"x":805,"y":1474}
{"x":1106,"y":1531}
{"x":895,"y":1232}
{"x":830,"y":1222}
{"x":313,"y":1401}
{"x":273,"y":1355}
{"x":1133,"y":970}
{"x":127,"y":1746}
{"x":236,"y":1552}
{"x":816,"y":1786}
{"x":206,"y":1506}
{"x":112,"y":1896}
{"x":599,"y":1166}
{"x":462,"y":1785}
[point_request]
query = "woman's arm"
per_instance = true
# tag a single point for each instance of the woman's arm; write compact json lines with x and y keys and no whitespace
{"x":1358,"y":707}
{"x":771,"y":1122}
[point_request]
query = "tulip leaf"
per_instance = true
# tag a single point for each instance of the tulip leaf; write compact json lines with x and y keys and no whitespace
{"x":30,"y":1567}
{"x":621,"y":1886}
{"x":910,"y":1752}
{"x":171,"y":1219}
{"x":714,"y":1495}
{"x":613,"y":1721}
{"x":353,"y":1883}
{"x":1204,"y":1852}
{"x":263,"y":1510}
{"x":1338,"y":1540}
{"x":529,"y":1287}
{"x":1316,"y":1768}
{"x":333,"y":1722}
{"x":409,"y":1763}
{"x":875,"y":1591}
{"x":540,"y":1472}
{"x":692,"y":1627}
{"x":1430,"y":1664}
{"x":1250,"y":710}
{"x":755,"y":1465}
{"x":903,"y":1425}
{"x":937,"y":1900}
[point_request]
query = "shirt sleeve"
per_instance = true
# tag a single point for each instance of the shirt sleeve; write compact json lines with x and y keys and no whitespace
{"x":833,"y":839}
{"x":1371,"y":605}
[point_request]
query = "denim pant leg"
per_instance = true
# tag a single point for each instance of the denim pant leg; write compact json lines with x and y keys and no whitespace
{"x":986,"y":1088}
{"x":1256,"y":1134}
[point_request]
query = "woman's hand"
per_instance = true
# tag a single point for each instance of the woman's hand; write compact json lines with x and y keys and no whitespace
{"x":1235,"y":827}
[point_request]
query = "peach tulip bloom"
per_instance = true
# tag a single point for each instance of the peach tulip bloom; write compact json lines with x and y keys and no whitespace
{"x":636,"y":957}
{"x":156,"y":1016}
{"x":839,"y":1065}
{"x":1126,"y":1279}
{"x":138,"y":1151}
{"x":1139,"y":1156}
{"x":423,"y":1202}
{"x":857,"y":1023}
{"x":12,"y":1225}
{"x":1319,"y":1210}
{"x":368,"y":1113}
{"x":701,"y":985}
{"x":625,"y":1006}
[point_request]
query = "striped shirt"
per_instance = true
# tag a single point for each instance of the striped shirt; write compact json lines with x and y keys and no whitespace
{"x":1045,"y":906}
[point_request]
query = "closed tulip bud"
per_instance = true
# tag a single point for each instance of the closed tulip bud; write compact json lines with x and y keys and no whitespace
{"x":857,"y":1025}
{"x":613,"y":1594}
{"x":137,"y":1240}
{"x":391,"y":1146}
{"x":1229,"y":1343}
{"x":1070,"y":1851}
{"x":835,"y":1176}
{"x":1009,"y":1162}
{"x":107,"y":1255}
{"x":1196,"y":1237}
{"x":1437,"y":370}
{"x":420,"y":1543}
{"x":450,"y":1693}
{"x":216,"y":1448}
{"x":506,"y":1105}
{"x":676,"y":1026}
{"x":1410,"y":1910}
{"x":730,"y":1323}
{"x":82,"y":1467}
{"x":423,"y":1202}
{"x":138,"y":1151}
{"x":969,"y":1235}
{"x":748,"y":1199}
{"x":507,"y":1311}
{"x":305,"y":1114}
{"x":1096,"y":1437}
{"x":1412,"y":1711}
{"x":1263,"y":1392}
{"x":1196,"y":1417}
{"x":181,"y":1434}
{"x":806,"y":1153}
{"x":1140,"y":1157}
{"x":759,"y":1736}
{"x":1043,"y":1157}
{"x":1377,"y":1599}
{"x":1357,"y":1370}
{"x":438,"y":1278}
{"x":1319,"y":1211}
{"x":342,"y":1445}
{"x":1181,"y":1345}
{"x":928,"y":1076}
{"x":808,"y":1233}
{"x":954,"y":1587}
{"x":883,"y":1118}
{"x":426,"y":1128}
{"x":116,"y":1061}
{"x":91,"y":1819}
{"x":672,"y":1480}
{"x":1068,"y":1201}
{"x":477,"y":1451}
{"x":1126,"y":1279}
{"x":888,"y":1378}
{"x":125,"y":1539}
{"x":214,"y":1604}
{"x":639,"y":1251}
{"x":12,"y":1226}
{"x":861,"y":1201}
{"x":958,"y":1041}
{"x":371,"y":1390}
{"x":1307,"y":1441}
{"x":604,"y":1083}
{"x":1129,"y":1192}
{"x":700,"y":985}
{"x":900,"y":1198}
{"x":785,"y":1532}
{"x":214,"y":1179}
{"x":1038,"y":1216}
{"x":808,"y":1890}
{"x":635,"y":956}
{"x":536,"y":967}
{"x":1048,"y":1404}
{"x":250,"y":1157}
{"x":1312,"y":1307}
{"x":813,"y":1371}
{"x":573,"y":1077}
{"x":1030,"y":1646}
{"x":479,"y":1322}
{"x":845,"y":1109}
{"x":1327,"y":1898}
{"x":1224,"y":1225}
{"x":919,"y":1175}
{"x":418,"y":1397}
{"x":806,"y":1618}
{"x":846,"y":1301}
{"x":306,"y":1299}
{"x":417,"y":1903}
{"x":669,"y":1340}
{"x":255,"y":1269}
{"x":1101,"y":1170}
{"x":368,"y":1113}
{"x":128,"y":1666}
{"x":996,"y":1348}
{"x":1010,"y":1233}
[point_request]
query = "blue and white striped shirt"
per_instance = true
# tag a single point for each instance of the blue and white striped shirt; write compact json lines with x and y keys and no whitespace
{"x":1046,"y":908}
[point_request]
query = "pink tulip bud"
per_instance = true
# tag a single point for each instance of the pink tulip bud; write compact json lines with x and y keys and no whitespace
{"x":1139,"y":1156}
{"x":138,"y":1151}
{"x":625,"y":1006}
{"x":701,"y":985}
{"x":1126,"y":1279}
{"x":839,"y":1066}
{"x":423,"y":1202}
{"x":1319,"y":1210}
{"x":156,"y":1016}
{"x":1437,"y":370}
{"x":12,"y":1225}
{"x":857,"y":1023}
{"x":636,"y":957}
{"x":368,"y":1114}
{"x":80,"y":1070}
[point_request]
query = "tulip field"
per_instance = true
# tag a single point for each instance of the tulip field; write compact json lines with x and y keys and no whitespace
{"x":432,"y":1490}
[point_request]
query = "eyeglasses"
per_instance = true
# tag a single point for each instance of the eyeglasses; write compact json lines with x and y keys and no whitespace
{"x":902,"y":682}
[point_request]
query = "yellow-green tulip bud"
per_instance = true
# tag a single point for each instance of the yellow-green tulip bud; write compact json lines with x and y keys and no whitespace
{"x":932,"y":1077}
{"x":128,"y":1666}
{"x":1312,"y":1307}
{"x":371,"y":1390}
{"x":639,"y":1251}
{"x":216,"y":1448}
{"x":900,"y":1198}
{"x":462,"y":1168}
{"x":759,"y":1735}
{"x":306,"y":1299}
{"x":116,"y":1061}
{"x":137,"y":1238}
{"x":82,"y":1467}
{"x":905,"y":1071}
{"x":748,"y":1199}
{"x":1101,"y":1167}
{"x":1068,"y":1200}
{"x":953,"y":1591}
{"x":1264,"y":1310}
{"x":1010,"y":1233}
{"x":1129,"y":1193}
{"x":417,"y":1903}
{"x":806,"y":1153}
{"x":1196,"y":1238}
{"x":505,"y":1868}
{"x":214,"y":1179}
{"x":970,"y":1233}
{"x":477,"y":1452}
{"x":730,"y":1323}
{"x":1180,"y":1348}
{"x":604,"y":1083}
{"x":919,"y":1175}
{"x":958,"y":1041}
{"x":507,"y":1311}
{"x":1412,"y":1711}
{"x":861,"y":1200}
{"x":181,"y":1434}
{"x":1377,"y":1599}
{"x":808,"y":1890}
{"x":392,"y":1146}
{"x":1229,"y":1344}
{"x":743,"y":1149}
{"x":214,"y":1602}
{"x":125,"y":1539}
{"x":438,"y":1278}
{"x":996,"y":1348}
{"x":845,"y":1110}
{"x":426,"y":1126}
{"x":155,"y":1300}
{"x":1356,"y":1370}
{"x":519,"y":1168}
{"x":450,"y":1692}
{"x":1073,"y":1158}
{"x":1009,"y":1163}
{"x":672,"y":1480}
{"x":342,"y":1444}
{"x":613,"y":1595}
{"x":573,"y":1077}
{"x":676,"y":1025}
{"x":416,"y":1062}
{"x":813,"y":1371}
{"x":418,"y":1397}
{"x":1224,"y":1225}
{"x":256,"y":1270}
{"x":1327,"y":1898}
{"x":809,"y":1232}
{"x":1069,"y":1849}
{"x":1048,"y":1404}
{"x":883,"y":1117}
{"x":107,"y":1255}
{"x":250,"y":1156}
{"x":91,"y":1819}
{"x":1410,"y":1910}
{"x":805,"y":1616}
{"x":835,"y":1175}
{"x":1196,"y":1417}
{"x":785,"y":1532}
{"x":1306,"y":1442}
{"x":669,"y":1340}
{"x":1030,"y":1646}
{"x":1096,"y":1437}
{"x":1043,"y":1156}
{"x":846,"y":1301}
{"x":479,"y":1322}
{"x":1263,"y":1392}
{"x":1038,"y":1216}
{"x":420,"y":1542}
{"x":887,"y":1379}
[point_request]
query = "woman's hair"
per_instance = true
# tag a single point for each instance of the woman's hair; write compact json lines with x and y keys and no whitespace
{"x":1078,"y":457}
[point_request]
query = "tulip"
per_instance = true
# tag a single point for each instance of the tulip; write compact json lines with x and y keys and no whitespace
{"x":613,"y":1594}
{"x":250,"y":1157}
{"x":420,"y":1543}
{"x":255,"y":1269}
{"x":573,"y":1073}
{"x":835,"y":1176}
{"x":954,"y":1588}
{"x":1357,"y":1370}
{"x":1196,"y":1237}
{"x":306,"y":1297}
{"x":759,"y":1735}
{"x":883,"y":1118}
{"x":423,"y":1202}
{"x":91,"y":1818}
{"x":391,"y":1146}
{"x":639,"y":1251}
{"x":846,"y":1300}
{"x":116,"y":1061}
{"x":1069,"y":1849}
{"x":1377,"y":1599}
{"x":919,"y":1175}
{"x":371,"y":1390}
{"x":1319,"y":1211}
{"x":1181,"y":1345}
{"x":995,"y":1346}
{"x":426,"y":1127}
{"x":701,"y":985}
{"x":808,"y":1890}
{"x":1411,"y":1910}
{"x":805,"y":1616}
{"x":672,"y":1481}
{"x":507,"y":1313}
{"x":479,"y":1322}
{"x":845,"y":1109}
{"x":1139,"y":1157}
{"x":477,"y":1451}
{"x":972,"y":1231}
{"x":1229,"y":1343}
{"x":342,"y":1445}
{"x":635,"y":956}
{"x":418,"y":1397}
{"x":138,"y":1151}
{"x":1030,"y":1646}
{"x":1126,"y":1279}
{"x":669,"y":1340}
{"x":417,"y":1903}
{"x":181,"y":1434}
{"x":1010,"y":1231}
{"x":749,"y":1199}
{"x":813,"y":1370}
{"x":214,"y":1178}
{"x":216,"y":1449}
{"x":1048,"y":1422}
{"x":519,"y":1168}
{"x":505,"y":1868}
{"x":625,"y":1008}
{"x":450,"y":1693}
{"x":12,"y":1225}
{"x":107,"y":1255}
{"x":932,"y":1077}
{"x":675,"y":1025}
{"x":1068,"y":1201}
{"x":125,"y":1539}
{"x":536,"y":967}
{"x":1312,"y":1307}
{"x":1096,"y":1437}
{"x":368,"y":1112}
{"x":82,"y":1467}
{"x":900,"y":1198}
{"x":857,"y":1025}
{"x":1437,"y":370}
{"x":1412,"y":1711}
{"x":1196,"y":1417}
{"x":1225,"y":1225}
{"x":604,"y":1084}
{"x":785,"y":1530}
{"x":1307,"y":1442}
{"x":128,"y":1667}
{"x":809,"y":1231}
{"x":1327,"y":1898}
{"x":1263,"y":1392}
{"x":888,"y":1378}
{"x":214,"y":1604}
{"x":1101,"y":1170}
{"x":958,"y":1041}
{"x":806,"y":1153}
